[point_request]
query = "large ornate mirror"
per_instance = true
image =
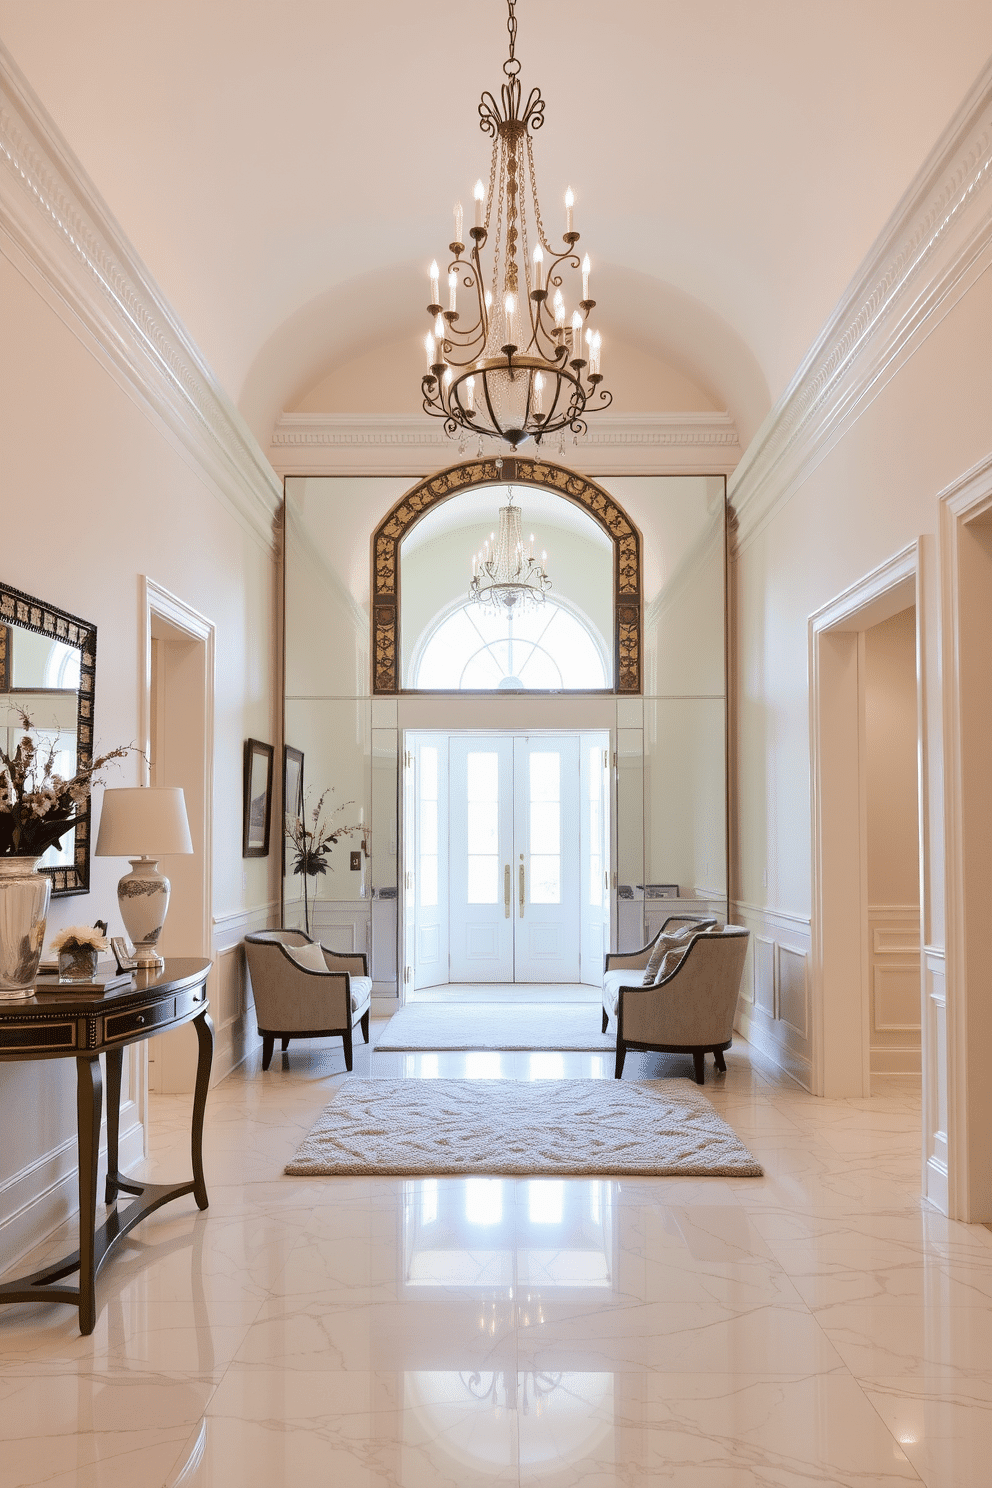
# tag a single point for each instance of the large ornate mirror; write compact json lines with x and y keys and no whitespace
{"x":48,"y":671}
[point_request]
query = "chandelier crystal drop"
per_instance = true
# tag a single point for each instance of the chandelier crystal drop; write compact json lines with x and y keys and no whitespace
{"x":505,"y":574}
{"x":520,"y":360}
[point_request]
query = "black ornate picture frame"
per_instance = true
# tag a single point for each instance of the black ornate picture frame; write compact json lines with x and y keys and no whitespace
{"x":257,"y":818}
{"x":24,"y":611}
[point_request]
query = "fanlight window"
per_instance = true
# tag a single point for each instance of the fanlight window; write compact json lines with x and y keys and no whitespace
{"x":550,"y":648}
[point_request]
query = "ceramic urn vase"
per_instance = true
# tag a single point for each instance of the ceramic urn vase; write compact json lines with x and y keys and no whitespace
{"x":24,"y":897}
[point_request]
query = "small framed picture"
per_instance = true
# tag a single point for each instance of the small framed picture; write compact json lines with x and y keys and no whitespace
{"x":292,"y":783}
{"x":257,"y":799}
{"x":123,"y":953}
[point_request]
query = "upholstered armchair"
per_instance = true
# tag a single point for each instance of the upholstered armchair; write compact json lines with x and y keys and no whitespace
{"x":690,"y":1011}
{"x":303,"y":990}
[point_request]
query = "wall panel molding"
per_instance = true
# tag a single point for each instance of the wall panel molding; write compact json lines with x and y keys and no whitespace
{"x":56,"y":226}
{"x":413,"y":444}
{"x":938,"y":239}
{"x":775,"y":1010}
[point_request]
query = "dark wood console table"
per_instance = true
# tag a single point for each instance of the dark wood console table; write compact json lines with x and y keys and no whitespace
{"x":71,"y":1025}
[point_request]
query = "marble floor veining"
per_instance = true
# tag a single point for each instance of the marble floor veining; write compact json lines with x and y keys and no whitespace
{"x":818,"y":1326}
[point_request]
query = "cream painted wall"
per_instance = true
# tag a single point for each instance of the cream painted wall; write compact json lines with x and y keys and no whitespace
{"x":387,"y":378}
{"x":868,"y":493}
{"x":95,"y":496}
{"x":891,"y":761}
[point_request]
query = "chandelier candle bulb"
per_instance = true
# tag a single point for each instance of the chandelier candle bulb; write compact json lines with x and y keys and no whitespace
{"x":559,"y":303}
{"x":576,"y":336}
{"x":435,"y":275}
{"x":452,"y":289}
{"x":538,"y":268}
{"x":510,"y":306}
{"x":480,"y":192}
{"x":586,"y":266}
{"x":538,"y":408}
{"x":470,"y":394}
{"x":597,"y":342}
{"x":569,"y":204}
{"x":459,"y":222}
{"x":429,"y":348}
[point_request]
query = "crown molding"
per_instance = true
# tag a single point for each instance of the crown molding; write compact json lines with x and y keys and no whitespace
{"x":371,"y":444}
{"x":935,"y":243}
{"x":55,"y":225}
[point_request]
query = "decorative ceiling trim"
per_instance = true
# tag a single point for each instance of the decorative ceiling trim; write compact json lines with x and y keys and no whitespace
{"x":368,"y":444}
{"x":938,"y":237}
{"x":52,"y":214}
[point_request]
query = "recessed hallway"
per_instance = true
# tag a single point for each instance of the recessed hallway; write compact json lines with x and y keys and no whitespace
{"x":821,"y":1324}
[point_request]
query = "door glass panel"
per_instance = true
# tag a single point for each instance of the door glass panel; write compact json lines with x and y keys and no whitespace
{"x":545,"y":827}
{"x":483,"y":880}
{"x":545,"y":776}
{"x":545,"y":879}
{"x":482,"y":790}
{"x":428,"y":827}
{"x":595,"y":819}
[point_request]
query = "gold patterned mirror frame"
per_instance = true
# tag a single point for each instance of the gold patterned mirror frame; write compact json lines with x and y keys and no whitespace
{"x":592,"y":499}
{"x":34,"y":614}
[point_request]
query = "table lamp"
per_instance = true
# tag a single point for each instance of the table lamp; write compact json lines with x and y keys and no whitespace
{"x":143,"y":823}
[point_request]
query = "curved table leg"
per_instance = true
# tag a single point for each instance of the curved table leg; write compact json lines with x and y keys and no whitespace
{"x":205,"y":1039}
{"x":115,"y":1063}
{"x":89,"y":1104}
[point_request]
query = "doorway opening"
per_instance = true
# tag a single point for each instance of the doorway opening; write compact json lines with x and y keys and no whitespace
{"x":866,"y":734}
{"x":507,"y":855}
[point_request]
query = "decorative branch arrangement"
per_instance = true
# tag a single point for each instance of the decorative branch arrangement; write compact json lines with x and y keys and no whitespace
{"x":312,"y":844}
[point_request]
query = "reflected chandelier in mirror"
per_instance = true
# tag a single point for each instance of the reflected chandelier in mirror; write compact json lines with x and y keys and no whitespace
{"x":48,"y":670}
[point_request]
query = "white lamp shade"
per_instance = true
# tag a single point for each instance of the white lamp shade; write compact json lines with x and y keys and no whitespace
{"x":143,"y":821}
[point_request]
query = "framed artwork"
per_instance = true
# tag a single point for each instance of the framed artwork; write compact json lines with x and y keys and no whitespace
{"x":292,"y":783}
{"x":258,"y":798}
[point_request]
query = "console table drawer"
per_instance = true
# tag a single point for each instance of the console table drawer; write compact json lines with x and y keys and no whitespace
{"x":139,"y":1019}
{"x":192,"y":1001}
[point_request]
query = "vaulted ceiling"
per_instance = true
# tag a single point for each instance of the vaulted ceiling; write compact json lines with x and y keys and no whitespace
{"x":286,"y":168}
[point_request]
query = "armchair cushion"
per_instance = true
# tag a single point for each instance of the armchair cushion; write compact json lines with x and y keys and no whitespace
{"x":361,"y":993}
{"x":668,"y":950}
{"x":310,"y":957}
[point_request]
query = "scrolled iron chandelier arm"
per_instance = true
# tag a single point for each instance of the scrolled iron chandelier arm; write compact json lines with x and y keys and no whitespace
{"x":517,"y":366}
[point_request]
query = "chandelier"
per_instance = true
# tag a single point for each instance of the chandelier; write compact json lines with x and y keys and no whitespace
{"x":505,"y":574}
{"x":517,"y":363}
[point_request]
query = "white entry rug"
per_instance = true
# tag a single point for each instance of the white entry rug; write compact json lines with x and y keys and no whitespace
{"x":496,"y":1025}
{"x":518,"y":1128}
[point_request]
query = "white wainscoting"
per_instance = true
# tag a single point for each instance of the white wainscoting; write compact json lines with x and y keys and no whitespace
{"x":935,"y":1100}
{"x":231,"y":1002}
{"x":894,"y":987}
{"x":774,"y":1012}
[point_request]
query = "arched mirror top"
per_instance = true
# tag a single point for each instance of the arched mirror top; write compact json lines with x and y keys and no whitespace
{"x":583,"y":505}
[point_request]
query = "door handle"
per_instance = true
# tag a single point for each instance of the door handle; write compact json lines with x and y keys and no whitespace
{"x":522,"y":890}
{"x":507,"y":891}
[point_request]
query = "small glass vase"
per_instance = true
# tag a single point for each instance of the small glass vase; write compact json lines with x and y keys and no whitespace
{"x":78,"y":963}
{"x":24,"y":896}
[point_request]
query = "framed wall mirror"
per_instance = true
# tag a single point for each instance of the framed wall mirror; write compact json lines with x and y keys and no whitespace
{"x":48,"y":671}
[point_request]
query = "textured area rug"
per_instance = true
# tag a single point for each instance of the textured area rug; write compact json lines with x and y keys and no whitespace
{"x":497,"y":1025}
{"x":554,"y":1128}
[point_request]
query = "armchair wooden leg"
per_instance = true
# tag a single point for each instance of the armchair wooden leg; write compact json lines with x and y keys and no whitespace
{"x":285,"y":1042}
{"x":268,"y":1040}
{"x":621,"y":1056}
{"x":365,"y":1023}
{"x":719,"y":1060}
{"x":697,"y":1059}
{"x":606,"y":1020}
{"x":349,"y":1058}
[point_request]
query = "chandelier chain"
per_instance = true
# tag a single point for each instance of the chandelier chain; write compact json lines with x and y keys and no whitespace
{"x":537,"y":203}
{"x":511,"y":26}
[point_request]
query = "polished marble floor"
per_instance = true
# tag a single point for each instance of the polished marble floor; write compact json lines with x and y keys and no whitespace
{"x":818,"y":1326}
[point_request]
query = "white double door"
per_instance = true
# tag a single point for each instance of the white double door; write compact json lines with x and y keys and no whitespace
{"x":514,"y":871}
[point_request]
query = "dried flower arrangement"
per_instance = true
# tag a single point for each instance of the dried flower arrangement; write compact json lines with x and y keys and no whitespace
{"x":37,"y":805}
{"x":80,"y":938}
{"x":311,"y":845}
